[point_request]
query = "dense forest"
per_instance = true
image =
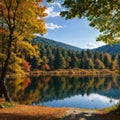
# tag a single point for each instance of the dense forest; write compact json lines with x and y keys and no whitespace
{"x":52,"y":58}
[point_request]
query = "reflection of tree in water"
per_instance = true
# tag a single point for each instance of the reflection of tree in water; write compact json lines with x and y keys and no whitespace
{"x":54,"y":88}
{"x":17,"y":86}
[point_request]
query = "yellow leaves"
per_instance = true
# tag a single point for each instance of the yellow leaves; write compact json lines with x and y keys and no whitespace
{"x":1,"y":31}
{"x":41,"y":28}
{"x":15,"y":65}
{"x":2,"y":5}
{"x":28,"y":48}
{"x":2,"y":57}
{"x":19,"y":25}
{"x":40,"y":11}
{"x":35,"y":47}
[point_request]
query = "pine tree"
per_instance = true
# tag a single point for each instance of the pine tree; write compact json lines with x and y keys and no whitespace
{"x":99,"y":64}
{"x":88,"y":64}
{"x":59,"y":61}
{"x":107,"y":60}
{"x":74,"y":63}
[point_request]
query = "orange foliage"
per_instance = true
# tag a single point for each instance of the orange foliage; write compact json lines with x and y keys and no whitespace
{"x":1,"y":31}
{"x":26,"y":83}
{"x":46,"y":79}
{"x":26,"y":65}
{"x":46,"y":67}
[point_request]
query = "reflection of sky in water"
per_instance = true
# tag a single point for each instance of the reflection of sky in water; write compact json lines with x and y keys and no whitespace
{"x":92,"y":101}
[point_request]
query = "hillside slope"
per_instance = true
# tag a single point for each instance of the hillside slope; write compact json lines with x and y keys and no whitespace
{"x":50,"y":42}
{"x":114,"y":49}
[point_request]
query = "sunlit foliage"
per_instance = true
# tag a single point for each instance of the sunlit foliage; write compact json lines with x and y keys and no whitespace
{"x":20,"y":20}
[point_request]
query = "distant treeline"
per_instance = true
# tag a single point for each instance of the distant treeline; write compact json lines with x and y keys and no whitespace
{"x":52,"y":58}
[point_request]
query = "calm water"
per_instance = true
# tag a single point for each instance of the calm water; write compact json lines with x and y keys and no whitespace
{"x":80,"y":92}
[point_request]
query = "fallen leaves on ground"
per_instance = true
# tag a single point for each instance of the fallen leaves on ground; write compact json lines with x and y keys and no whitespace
{"x":24,"y":112}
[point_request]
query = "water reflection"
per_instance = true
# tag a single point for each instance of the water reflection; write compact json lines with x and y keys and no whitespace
{"x":86,"y":101}
{"x":97,"y":92}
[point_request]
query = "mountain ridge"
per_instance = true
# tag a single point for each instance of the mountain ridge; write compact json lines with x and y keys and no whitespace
{"x":114,"y":49}
{"x":57,"y":44}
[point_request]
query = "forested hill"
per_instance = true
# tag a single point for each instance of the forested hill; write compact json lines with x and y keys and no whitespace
{"x":52,"y":58}
{"x":53,"y":43}
{"x":114,"y":49}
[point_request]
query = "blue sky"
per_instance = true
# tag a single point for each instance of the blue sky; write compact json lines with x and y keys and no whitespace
{"x":76,"y":32}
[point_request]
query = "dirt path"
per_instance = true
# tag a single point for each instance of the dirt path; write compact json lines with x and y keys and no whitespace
{"x":81,"y":114}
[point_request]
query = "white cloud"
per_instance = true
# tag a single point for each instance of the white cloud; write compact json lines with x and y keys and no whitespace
{"x":56,"y":4}
{"x":51,"y":13}
{"x":52,"y":26}
{"x":101,"y":98}
{"x":94,"y":45}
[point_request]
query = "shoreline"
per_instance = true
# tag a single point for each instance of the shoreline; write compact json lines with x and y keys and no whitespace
{"x":24,"y":112}
{"x":69,"y":73}
{"x":74,"y":72}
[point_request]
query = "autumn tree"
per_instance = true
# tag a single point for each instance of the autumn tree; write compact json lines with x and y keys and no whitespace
{"x":20,"y":20}
{"x":88,"y":64}
{"x":114,"y":63}
{"x":99,"y":64}
{"x":107,"y":60}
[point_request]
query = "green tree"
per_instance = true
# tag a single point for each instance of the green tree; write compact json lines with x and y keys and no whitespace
{"x":99,"y":64}
{"x":68,"y":60}
{"x":84,"y":54}
{"x":44,"y":62}
{"x":101,"y":56}
{"x":114,"y":63}
{"x":74,"y":63}
{"x":90,"y":54}
{"x":88,"y":64}
{"x":103,"y":15}
{"x":107,"y":60}
{"x":43,"y":50}
{"x":59,"y":60}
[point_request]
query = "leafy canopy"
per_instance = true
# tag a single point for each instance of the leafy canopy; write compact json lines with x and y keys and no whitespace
{"x":103,"y":15}
{"x":20,"y":20}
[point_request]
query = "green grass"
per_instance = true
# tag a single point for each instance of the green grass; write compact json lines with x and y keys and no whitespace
{"x":115,"y":108}
{"x":118,"y":71}
{"x":8,"y":104}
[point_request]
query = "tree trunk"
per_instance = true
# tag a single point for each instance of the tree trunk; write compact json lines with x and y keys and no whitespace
{"x":3,"y":88}
{"x":1,"y":93}
{"x":11,"y":22}
{"x":4,"y":91}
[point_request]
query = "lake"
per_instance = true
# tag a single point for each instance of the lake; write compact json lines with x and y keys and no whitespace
{"x":79,"y":92}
